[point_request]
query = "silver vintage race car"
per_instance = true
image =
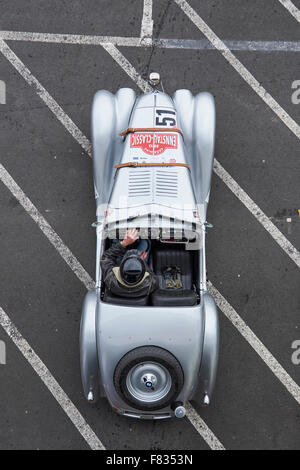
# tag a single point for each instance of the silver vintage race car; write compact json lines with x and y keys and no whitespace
{"x":153,"y":159}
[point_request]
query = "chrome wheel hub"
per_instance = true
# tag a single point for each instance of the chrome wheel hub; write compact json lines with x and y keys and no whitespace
{"x":149,"y":382}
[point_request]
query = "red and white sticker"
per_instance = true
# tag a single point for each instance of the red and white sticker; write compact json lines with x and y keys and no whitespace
{"x":158,"y":142}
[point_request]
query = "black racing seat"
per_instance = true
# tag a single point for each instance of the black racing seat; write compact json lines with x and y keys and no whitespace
{"x":135,"y":301}
{"x":174,"y":298}
{"x":173,"y":256}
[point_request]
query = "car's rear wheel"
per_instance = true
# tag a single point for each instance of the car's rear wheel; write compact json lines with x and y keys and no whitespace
{"x":148,"y":378}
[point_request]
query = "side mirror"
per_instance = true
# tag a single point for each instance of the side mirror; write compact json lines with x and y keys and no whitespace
{"x":207,"y":225}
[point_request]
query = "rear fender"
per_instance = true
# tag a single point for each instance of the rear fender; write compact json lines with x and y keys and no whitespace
{"x":88,"y":347}
{"x":210,"y":353}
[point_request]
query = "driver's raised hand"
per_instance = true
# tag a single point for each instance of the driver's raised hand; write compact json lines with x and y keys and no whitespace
{"x":131,"y":236}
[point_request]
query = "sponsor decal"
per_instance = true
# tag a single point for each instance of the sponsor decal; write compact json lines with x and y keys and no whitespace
{"x":154,"y":143}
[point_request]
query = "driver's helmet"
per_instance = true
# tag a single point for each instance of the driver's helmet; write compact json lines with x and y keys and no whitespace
{"x":132,"y":268}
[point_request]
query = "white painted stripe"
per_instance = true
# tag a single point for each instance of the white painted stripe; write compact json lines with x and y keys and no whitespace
{"x":147,"y":22}
{"x":239,"y":67}
{"x":256,"y":344}
{"x":202,"y":428}
{"x":233,"y":45}
{"x":53,"y":386}
{"x":78,"y":39}
{"x":127,"y":67}
{"x":45,"y":96}
{"x":197,"y":44}
{"x":46,"y":228}
{"x":260,"y":216}
{"x":291,"y":8}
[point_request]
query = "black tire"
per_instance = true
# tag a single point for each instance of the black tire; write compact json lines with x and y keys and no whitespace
{"x":151,"y":354}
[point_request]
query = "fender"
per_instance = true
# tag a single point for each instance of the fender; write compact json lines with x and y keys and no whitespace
{"x":204,"y":135}
{"x":88,"y":348}
{"x":197,"y":119}
{"x":110,"y":116}
{"x":210,"y":353}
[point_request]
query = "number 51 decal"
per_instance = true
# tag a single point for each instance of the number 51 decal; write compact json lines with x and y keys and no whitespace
{"x":164,"y":118}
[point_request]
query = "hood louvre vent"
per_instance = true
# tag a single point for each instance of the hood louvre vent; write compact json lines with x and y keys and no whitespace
{"x":166,"y":183}
{"x":157,"y":183}
{"x":139,"y":183}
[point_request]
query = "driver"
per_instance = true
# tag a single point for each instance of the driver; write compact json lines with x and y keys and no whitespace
{"x":125,"y":272}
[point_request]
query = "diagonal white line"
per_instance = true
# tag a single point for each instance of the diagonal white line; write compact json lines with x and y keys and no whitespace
{"x":147,"y":22}
{"x":291,"y":8}
{"x":53,"y":386}
{"x":127,"y":67}
{"x":239,"y":67}
{"x":278,"y":236}
{"x":286,"y":380}
{"x":202,"y":428}
{"x":46,"y":228}
{"x":45,"y":96}
{"x":53,"y":105}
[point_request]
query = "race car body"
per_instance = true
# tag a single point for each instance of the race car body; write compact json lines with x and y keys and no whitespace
{"x":153,"y":158}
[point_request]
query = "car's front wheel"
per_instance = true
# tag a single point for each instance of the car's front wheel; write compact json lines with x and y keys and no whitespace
{"x":148,"y":378}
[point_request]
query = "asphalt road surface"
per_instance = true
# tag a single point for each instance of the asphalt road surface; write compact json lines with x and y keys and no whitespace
{"x":256,"y":403}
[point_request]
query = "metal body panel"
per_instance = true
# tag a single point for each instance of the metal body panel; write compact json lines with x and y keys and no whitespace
{"x":110,"y":116}
{"x":210,"y":352}
{"x":197,"y":119}
{"x":195,"y":116}
{"x":88,"y":346}
{"x":121,"y":329}
{"x":165,"y":186}
{"x":160,"y":225}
